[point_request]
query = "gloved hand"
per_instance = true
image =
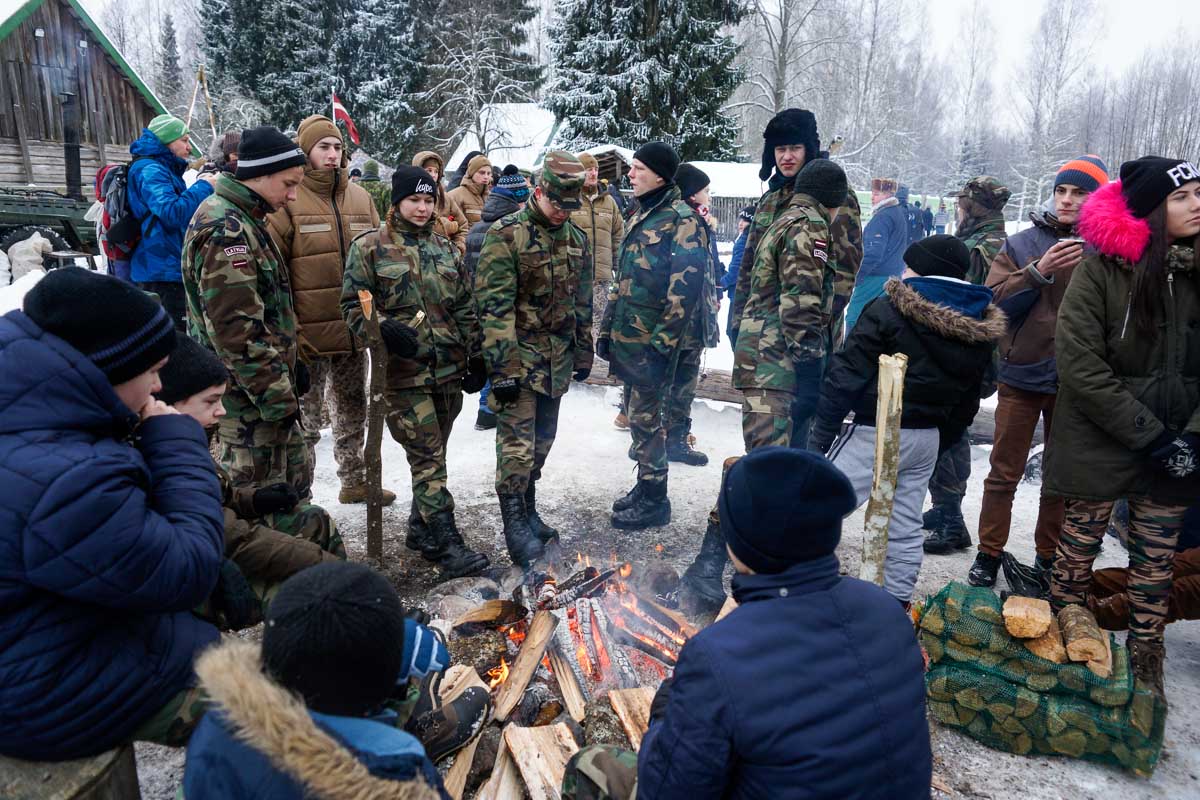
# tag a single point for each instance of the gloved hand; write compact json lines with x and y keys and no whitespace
{"x":301,"y":378}
{"x":604,"y":347}
{"x":276,"y":497}
{"x":476,"y":376}
{"x":400,"y":339}
{"x":658,"y":706}
{"x":1177,"y":454}
{"x":417,"y":614}
{"x":582,"y":374}
{"x":424,"y":651}
{"x":506,"y":390}
{"x":233,"y":602}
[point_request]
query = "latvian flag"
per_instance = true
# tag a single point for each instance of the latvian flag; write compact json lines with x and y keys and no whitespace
{"x":341,"y":115}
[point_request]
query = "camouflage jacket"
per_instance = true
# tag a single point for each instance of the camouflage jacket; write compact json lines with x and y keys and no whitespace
{"x":984,"y":239}
{"x":657,"y":291}
{"x":845,"y":246}
{"x":533,"y":289}
{"x":706,"y":331}
{"x":239,"y":301}
{"x":409,"y":269}
{"x":793,"y":281}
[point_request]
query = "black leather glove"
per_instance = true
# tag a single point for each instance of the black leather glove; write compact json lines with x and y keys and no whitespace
{"x":400,"y":339}
{"x":506,"y":390}
{"x":604,"y":347}
{"x":276,"y":497}
{"x":658,"y":706}
{"x":233,"y":602}
{"x":582,"y":374}
{"x":302,"y":378}
{"x":1177,"y":454}
{"x":476,"y":376}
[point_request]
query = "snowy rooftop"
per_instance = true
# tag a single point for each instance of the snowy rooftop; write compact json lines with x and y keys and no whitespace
{"x":519,"y":133}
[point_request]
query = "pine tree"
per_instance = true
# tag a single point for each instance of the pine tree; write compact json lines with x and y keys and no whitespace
{"x":169,"y":78}
{"x":630,"y":71}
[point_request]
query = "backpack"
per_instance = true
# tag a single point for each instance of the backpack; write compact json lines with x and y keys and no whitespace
{"x":120,"y":229}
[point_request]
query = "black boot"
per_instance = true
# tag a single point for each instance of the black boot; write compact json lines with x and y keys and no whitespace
{"x":701,"y":590}
{"x":485,"y":421}
{"x":652,"y":508}
{"x":983,"y":571}
{"x":419,"y":537}
{"x":931,"y":520}
{"x":950,"y":535}
{"x":453,"y":557}
{"x":539,"y":528}
{"x":524,"y":547}
{"x":678,"y":448}
{"x":628,"y":499}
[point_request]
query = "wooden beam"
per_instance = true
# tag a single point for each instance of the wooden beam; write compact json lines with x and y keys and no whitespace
{"x":633,"y":709}
{"x":14,"y":86}
{"x":541,"y":755}
{"x":526,"y":663}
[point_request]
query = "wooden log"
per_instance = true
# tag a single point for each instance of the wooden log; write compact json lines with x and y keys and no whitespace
{"x":494,"y":613}
{"x":457,"y":680}
{"x":570,"y":681}
{"x":112,"y":775}
{"x":633,"y":709}
{"x":505,"y":782}
{"x":1027,"y":617}
{"x":1103,"y":668}
{"x":376,"y":411}
{"x":1049,"y":645}
{"x":611,"y":656}
{"x":526,"y":663}
{"x":667,"y":615}
{"x":1082,"y":636}
{"x":887,"y":466}
{"x":541,"y":755}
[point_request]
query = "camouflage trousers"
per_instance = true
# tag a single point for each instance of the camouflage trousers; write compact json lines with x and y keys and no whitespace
{"x":948,"y":486}
{"x":306,"y":521}
{"x":644,"y":408}
{"x":601,"y":772}
{"x":766,"y":418}
{"x":1153,"y":534}
{"x":261,"y":453}
{"x":338,"y":387}
{"x":678,"y":412}
{"x":421,"y":420}
{"x":525,"y":432}
{"x":172,"y":725}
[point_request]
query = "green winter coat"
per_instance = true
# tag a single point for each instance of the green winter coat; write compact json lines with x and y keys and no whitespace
{"x":409,"y":269}
{"x":1120,"y":389}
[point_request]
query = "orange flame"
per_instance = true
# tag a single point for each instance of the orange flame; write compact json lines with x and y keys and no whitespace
{"x":626,"y":570}
{"x":498,"y":674}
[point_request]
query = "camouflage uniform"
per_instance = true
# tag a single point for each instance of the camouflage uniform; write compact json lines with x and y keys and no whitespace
{"x":533,"y":288}
{"x":653,"y":315}
{"x":704,"y":332}
{"x":601,"y":772}
{"x":240,"y":307}
{"x":409,"y":269}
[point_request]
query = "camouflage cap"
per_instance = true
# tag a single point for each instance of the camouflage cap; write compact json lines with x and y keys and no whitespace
{"x":989,"y":192}
{"x":562,"y":178}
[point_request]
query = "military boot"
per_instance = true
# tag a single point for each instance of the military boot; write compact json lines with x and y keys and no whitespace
{"x":419,"y":538}
{"x":453,"y":557}
{"x":950,"y":534}
{"x":628,"y":499}
{"x":524,"y":547}
{"x":447,"y":728}
{"x":701,"y":590}
{"x":540,"y":529}
{"x":1146,"y":661}
{"x":652,"y":508}
{"x":679,"y":447}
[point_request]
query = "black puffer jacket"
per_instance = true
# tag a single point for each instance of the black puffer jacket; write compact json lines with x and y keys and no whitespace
{"x":496,"y":206}
{"x":946,"y":328}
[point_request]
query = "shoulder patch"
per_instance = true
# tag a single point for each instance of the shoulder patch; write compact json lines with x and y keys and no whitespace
{"x":237,"y":250}
{"x":821,"y":250}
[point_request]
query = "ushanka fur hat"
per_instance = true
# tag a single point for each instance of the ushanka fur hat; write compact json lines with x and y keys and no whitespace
{"x":790,"y":126}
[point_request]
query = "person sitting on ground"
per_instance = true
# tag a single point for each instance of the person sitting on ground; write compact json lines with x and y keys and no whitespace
{"x":947,"y":328}
{"x":307,"y":713}
{"x":848,"y":717}
{"x":110,"y":531}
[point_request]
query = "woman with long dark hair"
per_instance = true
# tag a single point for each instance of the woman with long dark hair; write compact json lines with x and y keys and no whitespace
{"x":1127,"y":422}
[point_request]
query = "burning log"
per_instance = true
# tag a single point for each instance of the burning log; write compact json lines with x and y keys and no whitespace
{"x":611,"y":658}
{"x":541,"y":756}
{"x":667,"y":616}
{"x":526,"y":663}
{"x":481,"y":651}
{"x":633,"y":709}
{"x":585,"y":574}
{"x":539,"y":706}
{"x":642,"y":643}
{"x":493,"y":613}
{"x":568,"y":672}
{"x":585,"y":589}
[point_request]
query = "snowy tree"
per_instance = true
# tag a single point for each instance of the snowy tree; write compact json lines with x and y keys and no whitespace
{"x":631,"y":71}
{"x":168,"y":78}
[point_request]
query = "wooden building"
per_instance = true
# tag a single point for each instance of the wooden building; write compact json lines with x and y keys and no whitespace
{"x":54,"y":56}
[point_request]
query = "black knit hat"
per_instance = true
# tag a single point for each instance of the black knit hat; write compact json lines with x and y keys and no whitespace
{"x":942,"y":255}
{"x":690,"y":179}
{"x":747,"y":214}
{"x":1147,"y":181}
{"x":335,"y":635}
{"x":192,"y":369}
{"x":117,"y":326}
{"x":264,"y":151}
{"x":790,"y":126}
{"x":781,"y":506}
{"x":824,"y":181}
{"x":510,"y":169}
{"x":408,"y":181}
{"x":660,"y":157}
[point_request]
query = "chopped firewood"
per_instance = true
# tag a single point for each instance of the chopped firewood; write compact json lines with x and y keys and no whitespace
{"x":667,"y":616}
{"x":1049,"y":645}
{"x":1027,"y":617}
{"x":570,"y":682}
{"x":633,"y":709}
{"x":539,"y":706}
{"x":1103,"y":668}
{"x":505,"y":783}
{"x":541,"y":756}
{"x":1082,"y":636}
{"x":888,"y":408}
{"x":493,"y":612}
{"x":609,"y":655}
{"x":457,"y":680}
{"x":526,"y":663}
{"x":643,"y":644}
{"x":727,"y":609}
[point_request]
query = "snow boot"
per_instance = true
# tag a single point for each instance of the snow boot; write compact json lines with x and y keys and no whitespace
{"x":540,"y":529}
{"x":419,"y":537}
{"x":950,"y":532}
{"x":679,"y":446}
{"x":453,"y":557}
{"x":983,"y":571}
{"x":628,"y":499}
{"x":450,"y":726}
{"x":1023,"y":580}
{"x":485,"y":421}
{"x":524,"y":547}
{"x":651,"y":509}
{"x":701,"y":591}
{"x":1146,"y":661}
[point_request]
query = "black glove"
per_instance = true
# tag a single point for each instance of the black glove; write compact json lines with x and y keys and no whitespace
{"x":1177,"y":454}
{"x":418,"y":614}
{"x":276,"y":497}
{"x":476,"y":376}
{"x":506,"y":390}
{"x":400,"y":339}
{"x":658,"y":706}
{"x":582,"y":374}
{"x":301,"y":378}
{"x":603,"y":347}
{"x":233,"y":602}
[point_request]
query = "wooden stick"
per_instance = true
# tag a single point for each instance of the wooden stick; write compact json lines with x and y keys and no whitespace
{"x":887,"y":466}
{"x":541,"y":755}
{"x":633,"y":709}
{"x":526,"y":663}
{"x":457,"y":680}
{"x":376,"y":411}
{"x":505,"y":782}
{"x":574,"y":695}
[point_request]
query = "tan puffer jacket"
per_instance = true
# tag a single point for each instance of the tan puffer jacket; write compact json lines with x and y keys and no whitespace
{"x":452,"y":220}
{"x":313,"y":233}
{"x":470,"y":195}
{"x":601,"y":220}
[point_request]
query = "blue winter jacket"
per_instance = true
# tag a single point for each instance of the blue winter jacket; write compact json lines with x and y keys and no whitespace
{"x":812,"y":688}
{"x":105,"y":545}
{"x":884,"y":241}
{"x":159,"y":198}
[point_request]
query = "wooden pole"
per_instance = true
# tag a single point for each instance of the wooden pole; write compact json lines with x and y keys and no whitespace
{"x":887,"y":465}
{"x":376,"y":408}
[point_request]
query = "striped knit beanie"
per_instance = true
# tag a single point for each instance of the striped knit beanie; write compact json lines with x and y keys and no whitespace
{"x":513,"y":185}
{"x":1087,"y":172}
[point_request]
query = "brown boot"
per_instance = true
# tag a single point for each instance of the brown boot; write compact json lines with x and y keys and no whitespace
{"x":351,"y":495}
{"x":1146,"y":661}
{"x":621,"y":422}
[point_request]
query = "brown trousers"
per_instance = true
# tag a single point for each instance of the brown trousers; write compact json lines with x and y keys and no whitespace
{"x":1182,"y":603}
{"x":1017,"y":415}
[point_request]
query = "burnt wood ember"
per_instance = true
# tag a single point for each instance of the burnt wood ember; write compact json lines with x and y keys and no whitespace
{"x":585,"y":589}
{"x":626,"y":677}
{"x":628,"y":639}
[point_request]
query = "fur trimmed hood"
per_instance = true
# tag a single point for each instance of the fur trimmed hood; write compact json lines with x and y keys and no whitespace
{"x":276,"y":723}
{"x":1107,"y":224}
{"x":944,"y":320}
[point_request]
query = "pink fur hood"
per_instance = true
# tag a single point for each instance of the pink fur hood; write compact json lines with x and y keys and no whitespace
{"x":1107,"y":224}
